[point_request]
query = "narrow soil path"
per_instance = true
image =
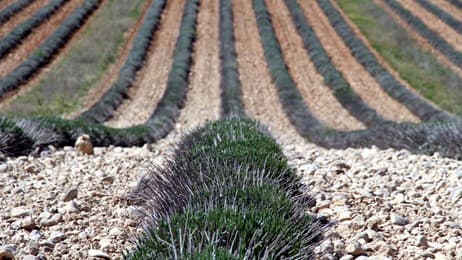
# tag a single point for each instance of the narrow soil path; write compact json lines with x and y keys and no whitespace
{"x":36,"y":38}
{"x":152,"y":79}
{"x":203,"y":99}
{"x":434,"y":23}
{"x":447,"y":7}
{"x":5,"y":3}
{"x":20,"y":17}
{"x":111,"y":75}
{"x":260,"y":97}
{"x":422,"y":41}
{"x":318,"y":97}
{"x":359,"y":78}
{"x":9,"y":97}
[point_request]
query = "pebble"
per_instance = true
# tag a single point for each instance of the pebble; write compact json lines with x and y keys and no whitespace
{"x":354,"y":249}
{"x":456,"y":194}
{"x":3,"y":168}
{"x":70,"y":195}
{"x":399,"y":220}
{"x":19,"y":212}
{"x":35,"y":235}
{"x":116,"y":232}
{"x":6,"y":254}
{"x":57,"y":236}
{"x":98,"y":254}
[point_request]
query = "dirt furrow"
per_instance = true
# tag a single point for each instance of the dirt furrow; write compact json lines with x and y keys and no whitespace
{"x":36,"y":38}
{"x":112,"y":72}
{"x":420,"y":40}
{"x":152,"y":79}
{"x":318,"y":97}
{"x":203,"y":99}
{"x":5,"y":3}
{"x":359,"y":78}
{"x":8,"y":98}
{"x":20,"y":17}
{"x":434,"y":23}
{"x":258,"y":92}
{"x":450,"y":9}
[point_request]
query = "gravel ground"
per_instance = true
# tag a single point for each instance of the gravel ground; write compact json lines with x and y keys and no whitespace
{"x":388,"y":204}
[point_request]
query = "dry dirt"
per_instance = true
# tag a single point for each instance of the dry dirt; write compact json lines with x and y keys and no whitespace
{"x":434,"y":23}
{"x":35,"y":38}
{"x":359,"y":78}
{"x":112,"y":72}
{"x":449,"y":8}
{"x":9,"y":97}
{"x":152,"y":79}
{"x":422,"y":41}
{"x":20,"y":17}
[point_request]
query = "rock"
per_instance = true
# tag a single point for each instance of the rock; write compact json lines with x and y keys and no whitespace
{"x":3,"y":168}
{"x":440,"y":256}
{"x":105,"y":244}
{"x":34,"y":248}
{"x":6,"y":254}
{"x":108,"y":179}
{"x":72,"y":207}
{"x":399,"y":198}
{"x":374,"y":222}
{"x":347,"y":257}
{"x":98,"y":254}
{"x":70,"y":195}
{"x":344,"y":216}
{"x":116,"y":232}
{"x":83,"y":235}
{"x":421,"y":241}
{"x":83,"y":144}
{"x":35,"y":235}
{"x":399,"y":220}
{"x":55,"y":219}
{"x":378,"y":258}
{"x":57,"y":236}
{"x":456,"y":194}
{"x":29,"y":257}
{"x":28,"y":224}
{"x":355,"y":249}
{"x":19,"y":212}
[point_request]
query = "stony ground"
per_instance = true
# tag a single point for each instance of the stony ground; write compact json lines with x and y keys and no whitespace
{"x":389,"y":204}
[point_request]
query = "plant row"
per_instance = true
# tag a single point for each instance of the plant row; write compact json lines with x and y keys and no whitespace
{"x":43,"y":131}
{"x":432,"y":37}
{"x":45,"y":52}
{"x":443,"y":15}
{"x":230,"y":84}
{"x":416,"y":104}
{"x":12,"y":9}
{"x":13,"y":39}
{"x":332,"y":77}
{"x":442,"y":137}
{"x":227,"y":193}
{"x":456,"y":3}
{"x":105,"y":107}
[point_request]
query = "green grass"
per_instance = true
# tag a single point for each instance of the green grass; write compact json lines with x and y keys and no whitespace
{"x":63,"y":89}
{"x":417,"y":66}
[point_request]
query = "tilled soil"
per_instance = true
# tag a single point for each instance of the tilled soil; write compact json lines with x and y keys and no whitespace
{"x":359,"y":78}
{"x":37,"y":37}
{"x":421,"y":40}
{"x":112,"y":72}
{"x":20,"y":17}
{"x":6,"y":100}
{"x":152,"y":79}
{"x":318,"y":97}
{"x":434,"y":23}
{"x":449,"y":8}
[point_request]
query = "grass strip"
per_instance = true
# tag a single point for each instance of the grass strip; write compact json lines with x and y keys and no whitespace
{"x":227,"y":193}
{"x":401,"y":52}
{"x":432,"y":37}
{"x":230,"y":84}
{"x":12,"y":9}
{"x":45,"y":52}
{"x":443,"y":15}
{"x":332,"y":77}
{"x":62,"y":90}
{"x":13,"y":39}
{"x":105,"y":107}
